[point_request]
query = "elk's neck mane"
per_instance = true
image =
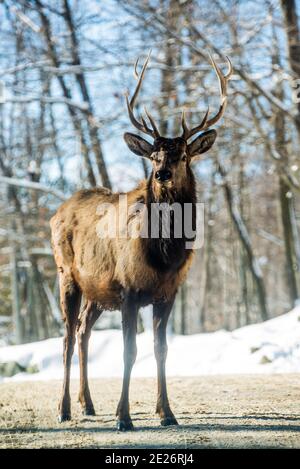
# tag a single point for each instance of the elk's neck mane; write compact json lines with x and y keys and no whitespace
{"x":169,"y":254}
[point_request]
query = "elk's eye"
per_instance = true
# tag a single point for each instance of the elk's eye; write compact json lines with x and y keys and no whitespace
{"x":184,"y":158}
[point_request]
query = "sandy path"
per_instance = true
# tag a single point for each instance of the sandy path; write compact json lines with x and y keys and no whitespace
{"x":223,"y":411}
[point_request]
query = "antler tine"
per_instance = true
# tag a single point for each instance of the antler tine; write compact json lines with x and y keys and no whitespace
{"x":184,"y":126}
{"x":187,"y":133}
{"x":130,"y":104}
{"x":152,"y":122}
{"x":136,"y":75}
{"x":223,"y":81}
{"x":134,"y":121}
{"x":139,"y":78}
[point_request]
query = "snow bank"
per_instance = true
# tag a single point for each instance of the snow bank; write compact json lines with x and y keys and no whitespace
{"x":269,"y":347}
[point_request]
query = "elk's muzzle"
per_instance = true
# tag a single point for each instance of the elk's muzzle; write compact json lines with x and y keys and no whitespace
{"x":163,"y":175}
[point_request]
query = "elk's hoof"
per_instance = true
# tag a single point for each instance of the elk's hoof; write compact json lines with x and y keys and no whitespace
{"x":89,"y":411}
{"x":168,"y":421}
{"x":64,"y":417}
{"x":124,"y":425}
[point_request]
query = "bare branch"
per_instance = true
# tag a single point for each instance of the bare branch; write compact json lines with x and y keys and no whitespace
{"x":32,"y":185}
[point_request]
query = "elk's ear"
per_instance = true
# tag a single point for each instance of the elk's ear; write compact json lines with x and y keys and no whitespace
{"x":138,"y":145}
{"x":202,"y":143}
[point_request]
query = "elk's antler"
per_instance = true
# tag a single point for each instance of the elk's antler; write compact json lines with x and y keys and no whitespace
{"x":142,"y":126}
{"x":206,"y":123}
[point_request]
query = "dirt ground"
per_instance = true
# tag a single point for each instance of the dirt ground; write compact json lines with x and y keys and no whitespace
{"x":213,"y":412}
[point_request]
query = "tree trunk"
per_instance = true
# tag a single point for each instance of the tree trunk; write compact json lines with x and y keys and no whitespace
{"x":291,"y":260}
{"x":292,"y":30}
{"x":285,"y":194}
{"x":245,"y":240}
{"x":93,"y":130}
{"x":207,"y":290}
{"x":183,"y":298}
{"x":17,"y":319}
{"x":172,"y":55}
{"x":67,"y":94}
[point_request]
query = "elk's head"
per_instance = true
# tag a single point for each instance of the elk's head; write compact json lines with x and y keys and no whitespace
{"x":171,"y":157}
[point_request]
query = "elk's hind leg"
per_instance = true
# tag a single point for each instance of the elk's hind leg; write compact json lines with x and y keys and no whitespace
{"x":87,"y":319}
{"x":161,"y":312}
{"x":70,"y":296}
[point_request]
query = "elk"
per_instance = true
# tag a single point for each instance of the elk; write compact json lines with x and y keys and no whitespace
{"x":126,"y":273}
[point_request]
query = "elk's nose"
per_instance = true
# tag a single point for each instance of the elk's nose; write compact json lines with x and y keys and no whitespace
{"x":163,"y":175}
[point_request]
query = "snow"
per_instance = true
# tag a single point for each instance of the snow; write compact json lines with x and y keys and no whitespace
{"x":269,"y":347}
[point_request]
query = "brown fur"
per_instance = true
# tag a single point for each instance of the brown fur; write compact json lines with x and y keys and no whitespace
{"x":122,"y":272}
{"x":103,"y":268}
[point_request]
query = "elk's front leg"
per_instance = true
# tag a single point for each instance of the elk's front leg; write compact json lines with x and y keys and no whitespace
{"x":161,"y":312}
{"x":129,"y":325}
